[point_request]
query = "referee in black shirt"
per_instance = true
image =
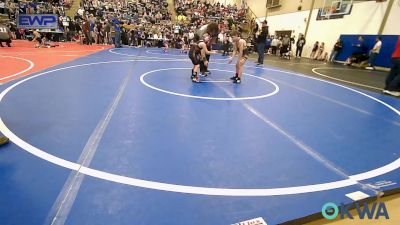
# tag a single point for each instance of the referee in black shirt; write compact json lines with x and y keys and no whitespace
{"x":261,"y":39}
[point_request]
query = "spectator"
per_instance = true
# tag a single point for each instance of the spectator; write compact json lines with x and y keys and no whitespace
{"x":320,"y":52}
{"x":191,"y":35}
{"x":392,"y":84}
{"x":359,"y":52}
{"x":117,"y":28}
{"x":80,"y":12}
{"x":107,"y":38}
{"x":314,"y":50}
{"x":299,"y":45}
{"x":227,"y":41}
{"x":274,"y":45}
{"x":268,"y":44}
{"x":374,"y":53}
{"x":86,"y":32}
{"x":261,"y":39}
{"x":285,"y":45}
{"x":95,"y":34}
{"x":21,"y":34}
{"x":221,"y":37}
{"x":112,"y":34}
{"x":336,"y":49}
{"x":2,"y":7}
{"x":279,"y":46}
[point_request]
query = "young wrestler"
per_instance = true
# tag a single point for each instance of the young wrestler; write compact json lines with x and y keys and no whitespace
{"x":195,"y":57}
{"x":239,"y":48}
{"x":37,"y":39}
{"x":209,"y":33}
{"x":198,"y":49}
{"x":47,"y":43}
{"x":205,"y":54}
{"x":166,"y":47}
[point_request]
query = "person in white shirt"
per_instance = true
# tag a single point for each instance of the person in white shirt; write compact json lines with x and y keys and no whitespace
{"x":274,"y":45}
{"x":2,"y":7}
{"x":81,"y":11}
{"x":221,"y":37}
{"x":191,"y":35}
{"x":5,"y":34}
{"x":374,"y":53}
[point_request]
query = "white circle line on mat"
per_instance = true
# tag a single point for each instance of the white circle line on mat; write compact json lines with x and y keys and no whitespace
{"x":160,"y":53}
{"x":142,"y":80}
{"x":151,"y":52}
{"x":47,"y":52}
{"x":314,"y":70}
{"x":31,"y":65}
{"x":152,"y":57}
{"x":112,"y":50}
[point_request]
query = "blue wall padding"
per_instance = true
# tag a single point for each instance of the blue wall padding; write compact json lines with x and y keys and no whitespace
{"x":384,"y":57}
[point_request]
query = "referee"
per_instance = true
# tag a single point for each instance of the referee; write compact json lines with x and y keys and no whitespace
{"x":261,"y":39}
{"x":5,"y":34}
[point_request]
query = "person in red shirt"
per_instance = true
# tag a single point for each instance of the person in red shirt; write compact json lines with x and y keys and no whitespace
{"x":392,"y":85}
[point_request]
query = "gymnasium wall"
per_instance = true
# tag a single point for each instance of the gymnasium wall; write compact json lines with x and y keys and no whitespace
{"x":258,"y":7}
{"x":365,"y":18}
{"x":393,"y":22}
{"x":227,"y":2}
{"x":287,"y":6}
{"x":292,"y":21}
{"x":384,"y":57}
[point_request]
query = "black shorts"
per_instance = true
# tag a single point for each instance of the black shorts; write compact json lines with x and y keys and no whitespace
{"x":6,"y":40}
{"x":245,"y":55}
{"x":194,"y":56}
{"x":195,"y":60}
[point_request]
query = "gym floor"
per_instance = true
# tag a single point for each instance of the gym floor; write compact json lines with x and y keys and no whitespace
{"x":122,"y":136}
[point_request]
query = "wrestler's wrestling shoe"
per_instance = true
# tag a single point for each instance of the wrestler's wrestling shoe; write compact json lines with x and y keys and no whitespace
{"x":237,"y":80}
{"x":3,"y":140}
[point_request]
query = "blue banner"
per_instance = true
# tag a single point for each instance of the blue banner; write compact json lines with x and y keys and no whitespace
{"x":37,"y":21}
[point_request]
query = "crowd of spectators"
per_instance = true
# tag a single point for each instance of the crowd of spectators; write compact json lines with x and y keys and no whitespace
{"x":10,"y":9}
{"x":13,"y":8}
{"x":135,"y":23}
{"x":101,"y":22}
{"x":196,"y":11}
{"x":148,"y":22}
